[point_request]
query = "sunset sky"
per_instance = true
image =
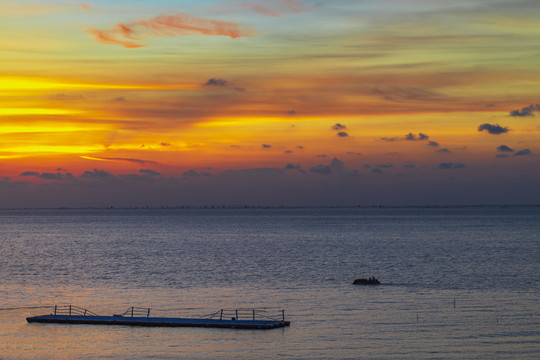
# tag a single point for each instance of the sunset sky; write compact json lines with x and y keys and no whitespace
{"x":274,"y":102}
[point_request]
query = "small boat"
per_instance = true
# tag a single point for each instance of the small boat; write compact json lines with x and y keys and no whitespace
{"x":254,"y":319}
{"x":369,"y":281}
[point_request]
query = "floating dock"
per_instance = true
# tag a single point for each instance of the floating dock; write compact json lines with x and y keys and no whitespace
{"x":132,"y":317}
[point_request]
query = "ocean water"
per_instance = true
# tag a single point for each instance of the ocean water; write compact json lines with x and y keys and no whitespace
{"x":458,"y":283}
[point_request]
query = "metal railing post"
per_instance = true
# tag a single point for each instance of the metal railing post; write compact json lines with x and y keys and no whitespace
{"x":283,"y":315}
{"x":236,"y":314}
{"x":253,"y":314}
{"x":148,"y":314}
{"x":69,"y":310}
{"x":132,"y":311}
{"x":55,"y":306}
{"x":221,"y":315}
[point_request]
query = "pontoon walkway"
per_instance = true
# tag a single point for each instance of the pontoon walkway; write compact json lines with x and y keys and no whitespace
{"x":89,"y":318}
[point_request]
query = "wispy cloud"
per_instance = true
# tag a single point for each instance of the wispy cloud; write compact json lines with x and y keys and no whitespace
{"x":505,"y":150}
{"x":84,"y":6}
{"x":523,"y":152}
{"x":276,"y":8}
{"x":130,"y":35}
{"x":137,"y":161}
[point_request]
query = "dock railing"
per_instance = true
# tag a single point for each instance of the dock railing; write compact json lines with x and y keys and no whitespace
{"x":72,"y":310}
{"x":135,"y":312}
{"x":254,"y":314}
{"x":245,"y":314}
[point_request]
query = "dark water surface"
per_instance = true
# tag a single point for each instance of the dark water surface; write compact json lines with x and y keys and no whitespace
{"x":457,"y":282}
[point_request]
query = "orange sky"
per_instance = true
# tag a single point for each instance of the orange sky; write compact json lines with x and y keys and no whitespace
{"x":442,"y":95}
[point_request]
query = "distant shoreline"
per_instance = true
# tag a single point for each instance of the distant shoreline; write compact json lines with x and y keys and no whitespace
{"x":266,"y":207}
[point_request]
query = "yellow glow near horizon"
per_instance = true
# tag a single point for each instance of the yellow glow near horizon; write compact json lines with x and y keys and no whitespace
{"x":37,"y":111}
{"x":25,"y":84}
{"x":50,"y":128}
{"x":241,"y":121}
{"x":54,"y":149}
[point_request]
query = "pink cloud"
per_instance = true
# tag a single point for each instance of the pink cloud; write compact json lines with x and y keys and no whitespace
{"x":181,"y":24}
{"x":276,"y":8}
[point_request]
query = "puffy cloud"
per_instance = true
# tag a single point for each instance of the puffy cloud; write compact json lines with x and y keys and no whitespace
{"x":296,"y":167}
{"x":378,"y":166}
{"x":181,"y":24}
{"x":193,"y":173}
{"x":335,"y":166}
{"x":266,"y":146}
{"x":52,"y":176}
{"x":494,"y":129}
{"x":444,"y":151}
{"x":339,"y":126}
{"x":504,"y":148}
{"x":48,"y":175}
{"x":526,"y":111}
{"x":433,"y":143}
{"x":149,"y":172}
{"x":450,"y":165}
{"x":321,"y":169}
{"x":216,"y":82}
{"x":410,"y":137}
{"x":97,"y":174}
{"x":342,"y":134}
{"x":413,"y":137}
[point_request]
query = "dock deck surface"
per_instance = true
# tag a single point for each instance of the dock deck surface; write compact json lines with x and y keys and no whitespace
{"x":159,"y":321}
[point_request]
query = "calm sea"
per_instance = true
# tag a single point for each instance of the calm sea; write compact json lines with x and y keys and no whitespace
{"x":458,"y":283}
